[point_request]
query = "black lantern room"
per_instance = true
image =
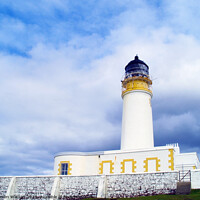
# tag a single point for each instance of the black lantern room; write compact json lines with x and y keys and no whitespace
{"x":136,"y":68}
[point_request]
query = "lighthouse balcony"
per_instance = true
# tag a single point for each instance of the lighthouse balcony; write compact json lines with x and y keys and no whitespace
{"x":136,"y":83}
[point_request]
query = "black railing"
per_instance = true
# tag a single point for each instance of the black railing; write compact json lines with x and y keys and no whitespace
{"x":185,"y":176}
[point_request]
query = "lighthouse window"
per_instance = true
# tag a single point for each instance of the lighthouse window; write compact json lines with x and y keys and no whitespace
{"x":64,"y":168}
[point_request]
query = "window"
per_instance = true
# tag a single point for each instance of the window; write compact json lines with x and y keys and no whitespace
{"x":64,"y":169}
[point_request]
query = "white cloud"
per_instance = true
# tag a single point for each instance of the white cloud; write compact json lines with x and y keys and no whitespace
{"x":67,"y":96}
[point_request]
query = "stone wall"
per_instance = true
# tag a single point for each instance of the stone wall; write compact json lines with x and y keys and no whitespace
{"x":31,"y":187}
{"x":77,"y":187}
{"x":141,"y":184}
{"x":4,"y":183}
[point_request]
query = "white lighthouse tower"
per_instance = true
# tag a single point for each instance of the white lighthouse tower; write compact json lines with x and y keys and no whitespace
{"x":137,"y":153}
{"x":137,"y":123}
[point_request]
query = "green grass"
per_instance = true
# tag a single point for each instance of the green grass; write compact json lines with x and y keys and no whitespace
{"x":194,"y":195}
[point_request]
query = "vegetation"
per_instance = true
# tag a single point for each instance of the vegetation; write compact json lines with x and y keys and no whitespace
{"x":194,"y":195}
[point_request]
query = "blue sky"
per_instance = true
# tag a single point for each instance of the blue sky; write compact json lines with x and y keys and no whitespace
{"x":61,"y":63}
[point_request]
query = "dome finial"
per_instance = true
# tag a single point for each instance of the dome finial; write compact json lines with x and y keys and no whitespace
{"x":136,"y":57}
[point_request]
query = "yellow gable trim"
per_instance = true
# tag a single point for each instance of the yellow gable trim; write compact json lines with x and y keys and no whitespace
{"x":128,"y":160}
{"x":171,"y":159}
{"x":146,"y":163}
{"x":111,"y":166}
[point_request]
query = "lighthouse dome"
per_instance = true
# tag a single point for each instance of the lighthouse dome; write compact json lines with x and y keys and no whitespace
{"x":136,"y":67}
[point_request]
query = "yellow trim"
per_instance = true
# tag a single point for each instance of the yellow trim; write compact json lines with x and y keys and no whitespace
{"x":128,"y":160}
{"x":171,"y":159}
{"x":111,"y":166}
{"x":194,"y":167}
{"x":69,"y":167}
{"x":136,"y":83}
{"x":146,"y":163}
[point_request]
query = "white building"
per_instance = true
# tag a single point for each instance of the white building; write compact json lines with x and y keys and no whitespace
{"x":137,"y":153}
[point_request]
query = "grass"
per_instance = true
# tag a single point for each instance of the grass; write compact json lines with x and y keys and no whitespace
{"x":194,"y":195}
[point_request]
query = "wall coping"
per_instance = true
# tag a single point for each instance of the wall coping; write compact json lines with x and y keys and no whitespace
{"x":100,"y":175}
{"x":96,"y":153}
{"x":195,"y":170}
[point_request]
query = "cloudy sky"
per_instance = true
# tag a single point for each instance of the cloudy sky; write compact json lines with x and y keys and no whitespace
{"x":61,"y":63}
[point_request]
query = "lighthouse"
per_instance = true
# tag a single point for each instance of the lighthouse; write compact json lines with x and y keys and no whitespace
{"x":137,"y":123}
{"x":137,"y":153}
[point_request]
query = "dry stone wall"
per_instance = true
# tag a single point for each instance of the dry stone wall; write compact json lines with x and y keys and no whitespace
{"x":31,"y":187}
{"x":79,"y":187}
{"x":4,"y":183}
{"x":75,"y":187}
{"x":141,"y":184}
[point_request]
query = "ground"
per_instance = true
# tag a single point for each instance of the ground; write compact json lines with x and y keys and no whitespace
{"x":194,"y":195}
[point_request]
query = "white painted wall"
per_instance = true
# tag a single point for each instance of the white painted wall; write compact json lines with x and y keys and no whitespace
{"x":90,"y":164}
{"x":137,"y":124}
{"x":195,"y":177}
{"x":187,"y":161}
{"x":128,"y":167}
{"x":81,"y":165}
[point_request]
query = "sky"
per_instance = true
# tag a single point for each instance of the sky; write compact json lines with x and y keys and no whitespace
{"x":61,"y":66}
